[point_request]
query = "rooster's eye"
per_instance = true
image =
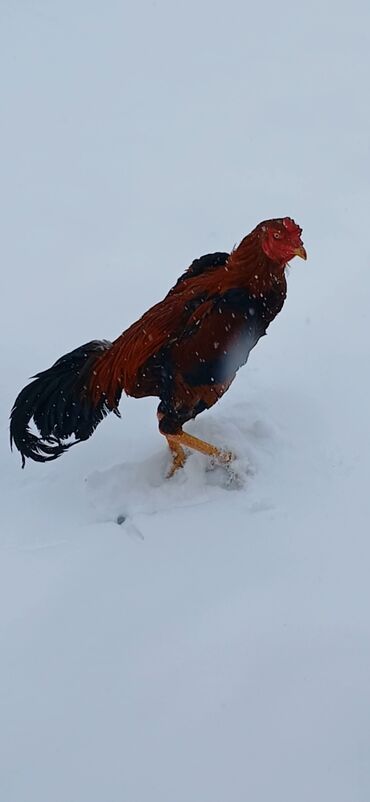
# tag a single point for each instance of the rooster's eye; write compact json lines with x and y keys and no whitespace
{"x":276,"y":235}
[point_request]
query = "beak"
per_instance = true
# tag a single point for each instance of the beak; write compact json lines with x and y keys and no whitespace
{"x":301,"y":251}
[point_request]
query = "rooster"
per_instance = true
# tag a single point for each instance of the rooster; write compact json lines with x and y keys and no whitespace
{"x":185,"y":350}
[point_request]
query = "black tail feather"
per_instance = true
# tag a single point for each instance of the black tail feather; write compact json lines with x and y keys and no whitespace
{"x":59,"y":404}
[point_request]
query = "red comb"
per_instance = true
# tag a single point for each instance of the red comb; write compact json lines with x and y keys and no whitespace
{"x":290,"y":225}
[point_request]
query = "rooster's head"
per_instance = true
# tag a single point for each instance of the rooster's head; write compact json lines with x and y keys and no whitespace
{"x":281,"y":240}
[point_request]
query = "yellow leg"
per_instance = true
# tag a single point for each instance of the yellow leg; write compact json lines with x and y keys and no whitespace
{"x":178,"y":455}
{"x":177,"y":441}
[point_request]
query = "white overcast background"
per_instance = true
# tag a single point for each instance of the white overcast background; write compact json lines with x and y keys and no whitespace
{"x":214,"y":647}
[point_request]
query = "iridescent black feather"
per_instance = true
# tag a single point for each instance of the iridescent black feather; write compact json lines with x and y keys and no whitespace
{"x":58,"y":404}
{"x":205,"y":264}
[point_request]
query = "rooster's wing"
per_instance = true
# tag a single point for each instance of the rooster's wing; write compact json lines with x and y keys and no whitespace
{"x":205,"y":264}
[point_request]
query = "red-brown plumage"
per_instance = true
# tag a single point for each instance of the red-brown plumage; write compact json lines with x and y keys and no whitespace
{"x":247,"y":268}
{"x":185,"y":350}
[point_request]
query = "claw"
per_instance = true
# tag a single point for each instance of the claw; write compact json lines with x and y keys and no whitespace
{"x":178,"y":457}
{"x":177,"y":441}
{"x":226,"y":457}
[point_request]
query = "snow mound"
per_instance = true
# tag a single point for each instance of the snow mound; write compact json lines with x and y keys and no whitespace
{"x":131,"y":488}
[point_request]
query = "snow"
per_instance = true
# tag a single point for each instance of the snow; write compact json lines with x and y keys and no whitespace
{"x":213,"y":646}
